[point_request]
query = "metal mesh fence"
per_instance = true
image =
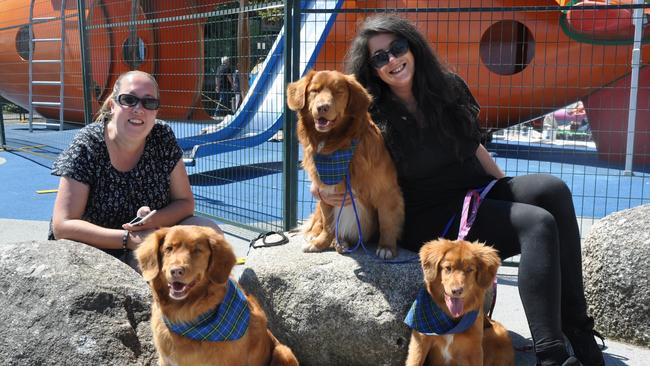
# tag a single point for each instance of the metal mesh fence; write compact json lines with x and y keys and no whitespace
{"x":553,"y":81}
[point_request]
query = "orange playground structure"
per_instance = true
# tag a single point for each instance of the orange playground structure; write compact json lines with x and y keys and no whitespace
{"x":521,"y":58}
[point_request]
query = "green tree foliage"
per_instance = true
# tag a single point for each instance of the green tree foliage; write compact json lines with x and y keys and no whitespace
{"x":8,"y":106}
{"x":274,"y":15}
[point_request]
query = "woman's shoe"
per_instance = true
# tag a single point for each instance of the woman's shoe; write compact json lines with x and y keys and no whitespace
{"x":571,"y":361}
{"x":584,"y":344}
{"x":556,"y":356}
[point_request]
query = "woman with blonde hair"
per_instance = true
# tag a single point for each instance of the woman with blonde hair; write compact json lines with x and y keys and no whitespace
{"x":123,"y":167}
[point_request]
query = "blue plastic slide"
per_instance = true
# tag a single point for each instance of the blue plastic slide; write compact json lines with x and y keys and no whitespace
{"x":261,"y":113}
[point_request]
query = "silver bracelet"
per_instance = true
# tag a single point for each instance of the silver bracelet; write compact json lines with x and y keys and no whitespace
{"x":125,"y":240}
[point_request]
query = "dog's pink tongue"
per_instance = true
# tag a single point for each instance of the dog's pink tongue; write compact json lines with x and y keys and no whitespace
{"x":455,"y":306}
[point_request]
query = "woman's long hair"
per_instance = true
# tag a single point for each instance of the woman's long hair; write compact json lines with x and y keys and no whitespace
{"x":436,"y":90}
{"x":104,"y":113}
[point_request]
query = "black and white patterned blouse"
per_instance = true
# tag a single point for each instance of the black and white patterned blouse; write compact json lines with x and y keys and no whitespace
{"x":115,"y":196}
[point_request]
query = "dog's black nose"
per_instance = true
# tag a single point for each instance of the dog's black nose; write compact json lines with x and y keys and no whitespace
{"x":323,"y":108}
{"x":177,"y":271}
{"x":457,"y":291}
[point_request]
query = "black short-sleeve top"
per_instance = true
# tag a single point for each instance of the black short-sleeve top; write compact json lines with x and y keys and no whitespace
{"x":432,"y":171}
{"x":115,"y":196}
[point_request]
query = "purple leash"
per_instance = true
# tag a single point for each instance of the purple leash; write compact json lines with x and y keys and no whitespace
{"x":348,"y":188}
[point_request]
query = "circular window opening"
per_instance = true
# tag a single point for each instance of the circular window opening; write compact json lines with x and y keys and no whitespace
{"x":507,"y":47}
{"x":22,"y":42}
{"x":134,"y":52}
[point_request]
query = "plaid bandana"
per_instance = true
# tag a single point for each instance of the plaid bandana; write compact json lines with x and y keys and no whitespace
{"x":333,"y":168}
{"x":426,"y":317}
{"x":227,"y":322}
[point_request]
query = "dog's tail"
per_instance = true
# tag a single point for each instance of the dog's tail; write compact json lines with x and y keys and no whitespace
{"x":281,"y":355}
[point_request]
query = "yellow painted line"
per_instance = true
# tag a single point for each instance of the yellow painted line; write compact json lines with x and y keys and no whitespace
{"x":44,"y":191}
{"x":240,"y":261}
{"x":44,"y":156}
{"x":30,"y":147}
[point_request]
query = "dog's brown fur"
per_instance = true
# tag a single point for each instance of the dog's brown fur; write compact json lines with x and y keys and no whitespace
{"x":333,"y":96}
{"x":199,"y":255}
{"x":463,"y":270}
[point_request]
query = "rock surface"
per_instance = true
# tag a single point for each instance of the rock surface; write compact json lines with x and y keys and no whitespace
{"x":334,"y":309}
{"x":616,"y":265}
{"x":65,"y":303}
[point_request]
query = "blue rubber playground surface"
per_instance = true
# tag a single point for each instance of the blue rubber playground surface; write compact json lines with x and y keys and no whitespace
{"x":245,"y":186}
{"x":22,"y":179}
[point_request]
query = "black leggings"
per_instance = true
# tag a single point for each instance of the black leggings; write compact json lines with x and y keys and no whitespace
{"x":533,"y":215}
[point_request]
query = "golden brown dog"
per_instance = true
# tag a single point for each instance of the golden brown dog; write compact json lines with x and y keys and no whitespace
{"x":188,"y":270}
{"x":456,"y":276}
{"x":332,"y":113}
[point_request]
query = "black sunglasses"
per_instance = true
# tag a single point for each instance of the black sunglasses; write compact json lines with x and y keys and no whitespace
{"x":397,"y":48}
{"x":129,"y":100}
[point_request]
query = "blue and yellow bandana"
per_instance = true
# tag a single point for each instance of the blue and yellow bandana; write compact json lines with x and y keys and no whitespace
{"x":426,"y":317}
{"x":227,"y":322}
{"x":332,"y":168}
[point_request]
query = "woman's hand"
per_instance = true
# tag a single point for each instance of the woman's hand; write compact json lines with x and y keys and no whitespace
{"x":332,"y":199}
{"x":145,"y":224}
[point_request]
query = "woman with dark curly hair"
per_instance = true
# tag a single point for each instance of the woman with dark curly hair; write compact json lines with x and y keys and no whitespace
{"x":429,"y":120}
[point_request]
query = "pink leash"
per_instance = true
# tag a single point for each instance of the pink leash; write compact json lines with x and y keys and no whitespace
{"x":470,"y":208}
{"x":467,"y":218}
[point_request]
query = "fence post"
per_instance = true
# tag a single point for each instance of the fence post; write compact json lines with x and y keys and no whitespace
{"x":3,"y":139}
{"x":634,"y":87}
{"x":291,"y":71}
{"x":85,"y":61}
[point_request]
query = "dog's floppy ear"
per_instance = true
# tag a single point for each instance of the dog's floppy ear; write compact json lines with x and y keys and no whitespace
{"x":359,"y":99}
{"x":147,"y":254}
{"x":296,"y":92}
{"x":488,"y":264}
{"x":222,"y":257}
{"x":431,"y":254}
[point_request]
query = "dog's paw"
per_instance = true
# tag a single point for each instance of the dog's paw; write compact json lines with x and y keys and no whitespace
{"x":386,"y":253}
{"x":308,"y":238}
{"x":341,"y":247}
{"x":308,"y":247}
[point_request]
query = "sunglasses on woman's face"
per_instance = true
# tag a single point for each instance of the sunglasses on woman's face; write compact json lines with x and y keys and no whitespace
{"x":397,"y":48}
{"x":129,"y":100}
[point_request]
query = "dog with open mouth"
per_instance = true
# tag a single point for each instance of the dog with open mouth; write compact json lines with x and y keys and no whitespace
{"x":344,"y":151}
{"x":449,"y":326}
{"x":199,"y":315}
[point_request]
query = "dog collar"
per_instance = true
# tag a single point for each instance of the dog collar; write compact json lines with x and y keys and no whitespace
{"x":426,"y":317}
{"x":227,"y":322}
{"x":332,"y":168}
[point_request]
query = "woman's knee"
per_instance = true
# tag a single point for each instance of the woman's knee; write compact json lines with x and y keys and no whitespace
{"x":555,"y":186}
{"x":546,"y":223}
{"x":534,"y":222}
{"x":539,"y":189}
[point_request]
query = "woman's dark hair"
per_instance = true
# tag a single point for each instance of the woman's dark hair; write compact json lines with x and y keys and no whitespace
{"x":435,"y":88}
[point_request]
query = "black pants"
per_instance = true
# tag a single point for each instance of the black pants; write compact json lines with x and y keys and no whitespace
{"x":531,"y":215}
